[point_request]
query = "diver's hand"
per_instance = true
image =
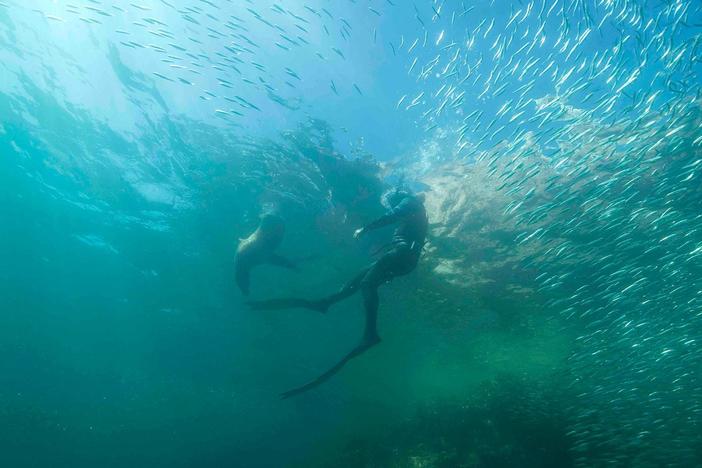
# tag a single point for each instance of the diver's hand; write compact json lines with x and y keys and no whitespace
{"x":359,"y":233}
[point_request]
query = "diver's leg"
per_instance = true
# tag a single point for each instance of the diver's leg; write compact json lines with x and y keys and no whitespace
{"x":368,"y":281}
{"x":395,"y":263}
{"x":369,"y":289}
{"x":349,"y":289}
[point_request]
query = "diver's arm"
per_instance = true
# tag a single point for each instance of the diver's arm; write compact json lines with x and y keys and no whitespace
{"x":387,"y":219}
{"x":394,"y":215}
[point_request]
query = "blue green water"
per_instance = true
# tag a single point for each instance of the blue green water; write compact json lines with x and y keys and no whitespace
{"x":554,"y":319}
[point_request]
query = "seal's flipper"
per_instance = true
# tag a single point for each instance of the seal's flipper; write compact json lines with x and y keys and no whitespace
{"x":366,"y":345}
{"x":289,"y":303}
{"x":243,"y":278}
{"x":279,"y":260}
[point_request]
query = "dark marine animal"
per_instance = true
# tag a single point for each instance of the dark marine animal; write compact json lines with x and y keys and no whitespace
{"x":259,"y":248}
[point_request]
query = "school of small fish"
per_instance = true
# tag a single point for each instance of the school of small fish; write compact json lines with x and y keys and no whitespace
{"x":588,"y":115}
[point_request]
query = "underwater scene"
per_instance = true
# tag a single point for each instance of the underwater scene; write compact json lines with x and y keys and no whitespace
{"x":350,"y":233}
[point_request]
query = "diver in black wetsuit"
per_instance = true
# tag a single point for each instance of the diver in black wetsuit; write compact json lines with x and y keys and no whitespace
{"x":400,"y":258}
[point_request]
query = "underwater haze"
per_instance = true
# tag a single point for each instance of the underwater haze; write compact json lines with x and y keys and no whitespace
{"x":554,"y":318}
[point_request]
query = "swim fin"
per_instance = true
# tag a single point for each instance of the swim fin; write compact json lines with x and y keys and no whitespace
{"x":365,"y":346}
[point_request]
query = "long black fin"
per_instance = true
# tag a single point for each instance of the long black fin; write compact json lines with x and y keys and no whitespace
{"x":333,"y":370}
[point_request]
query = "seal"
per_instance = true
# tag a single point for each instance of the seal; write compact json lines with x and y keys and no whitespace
{"x":259,"y":248}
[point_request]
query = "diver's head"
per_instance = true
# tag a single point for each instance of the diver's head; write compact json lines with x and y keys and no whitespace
{"x":394,"y":197}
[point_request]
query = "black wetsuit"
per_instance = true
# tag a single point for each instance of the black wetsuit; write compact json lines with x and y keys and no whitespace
{"x":400,"y":257}
{"x":403,"y":252}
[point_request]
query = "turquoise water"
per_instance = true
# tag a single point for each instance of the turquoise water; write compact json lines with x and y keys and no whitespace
{"x":554,"y":319}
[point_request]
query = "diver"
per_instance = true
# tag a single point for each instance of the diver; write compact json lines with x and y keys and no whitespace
{"x":400,"y":257}
{"x":259,"y":248}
